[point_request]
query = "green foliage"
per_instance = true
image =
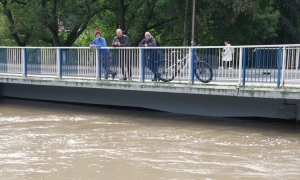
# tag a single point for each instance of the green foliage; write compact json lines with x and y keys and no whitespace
{"x":48,"y":22}
{"x":288,"y":27}
{"x":5,"y":39}
{"x":72,"y":23}
{"x":245,"y":29}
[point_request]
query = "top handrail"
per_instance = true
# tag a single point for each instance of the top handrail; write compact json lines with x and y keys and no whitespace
{"x":158,"y":47}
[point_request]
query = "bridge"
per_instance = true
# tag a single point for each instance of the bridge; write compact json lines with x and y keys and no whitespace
{"x":264,"y":81}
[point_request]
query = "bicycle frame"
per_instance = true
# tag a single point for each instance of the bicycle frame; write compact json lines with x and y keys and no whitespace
{"x":179,"y":67}
{"x":183,"y":63}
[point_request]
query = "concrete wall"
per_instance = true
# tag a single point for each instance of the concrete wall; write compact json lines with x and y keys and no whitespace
{"x":214,"y":104}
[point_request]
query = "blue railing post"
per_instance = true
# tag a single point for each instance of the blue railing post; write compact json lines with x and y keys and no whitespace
{"x":143,"y":59}
{"x":192,"y":65}
{"x":214,"y":63}
{"x":25,"y":61}
{"x":244,"y":66}
{"x":98,"y":56}
{"x":279,"y":66}
{"x":59,"y":63}
{"x":3,"y":59}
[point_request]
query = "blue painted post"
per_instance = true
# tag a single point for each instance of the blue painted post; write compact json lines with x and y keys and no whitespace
{"x":99,"y":64}
{"x":214,"y":62}
{"x":143,"y":64}
{"x":279,"y":66}
{"x":59,"y":63}
{"x":244,"y":66}
{"x":192,"y":66}
{"x":25,"y":61}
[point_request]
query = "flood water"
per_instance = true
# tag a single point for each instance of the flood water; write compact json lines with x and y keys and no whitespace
{"x":42,"y":140}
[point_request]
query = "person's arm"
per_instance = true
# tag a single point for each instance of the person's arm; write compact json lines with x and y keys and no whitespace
{"x":227,"y":50}
{"x":114,"y":41}
{"x":93,"y":44}
{"x":125,"y":44}
{"x":103,"y":42}
{"x":142,"y":44}
{"x":152,"y":43}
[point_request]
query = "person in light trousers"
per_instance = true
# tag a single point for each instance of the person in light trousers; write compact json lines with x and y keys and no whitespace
{"x":227,"y":55}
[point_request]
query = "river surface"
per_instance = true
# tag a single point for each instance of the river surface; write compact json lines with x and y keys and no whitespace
{"x":41,"y":140}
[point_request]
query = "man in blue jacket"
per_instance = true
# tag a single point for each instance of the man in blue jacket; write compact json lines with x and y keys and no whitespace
{"x":100,"y":42}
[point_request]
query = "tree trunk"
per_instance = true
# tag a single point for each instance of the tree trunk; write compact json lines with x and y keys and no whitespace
{"x":122,"y":11}
{"x":185,"y":23}
{"x":144,"y":26}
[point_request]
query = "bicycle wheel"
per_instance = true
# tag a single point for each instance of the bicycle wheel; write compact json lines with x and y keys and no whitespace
{"x":167,"y":71}
{"x":203,"y":71}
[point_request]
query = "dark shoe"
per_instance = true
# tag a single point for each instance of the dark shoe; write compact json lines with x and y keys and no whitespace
{"x":123,"y":79}
{"x":113,"y":75}
{"x":106,"y":77}
{"x":158,"y":75}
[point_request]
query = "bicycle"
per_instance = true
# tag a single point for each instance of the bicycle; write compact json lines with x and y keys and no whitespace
{"x":168,"y":70}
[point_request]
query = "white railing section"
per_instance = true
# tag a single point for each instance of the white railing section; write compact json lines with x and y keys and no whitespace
{"x":291,"y":64}
{"x":225,"y":72}
{"x":14,"y":60}
{"x":127,"y":62}
{"x":181,"y":57}
{"x":48,"y":61}
{"x":87,"y":62}
{"x":272,"y":64}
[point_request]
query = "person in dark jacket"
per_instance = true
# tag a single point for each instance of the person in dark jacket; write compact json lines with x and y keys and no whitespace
{"x":121,"y":40}
{"x":151,"y":54}
{"x":99,"y":42}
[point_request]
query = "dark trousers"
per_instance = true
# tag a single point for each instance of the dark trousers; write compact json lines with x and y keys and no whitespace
{"x":106,"y":59}
{"x":152,"y":62}
{"x":225,"y":62}
{"x":125,"y":62}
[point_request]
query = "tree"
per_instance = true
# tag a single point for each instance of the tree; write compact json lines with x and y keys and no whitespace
{"x":255,"y":23}
{"x":69,"y":22}
{"x":288,"y":30}
{"x":48,"y":22}
{"x":5,"y":38}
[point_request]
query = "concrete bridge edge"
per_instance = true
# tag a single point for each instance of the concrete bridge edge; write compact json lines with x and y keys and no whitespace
{"x":193,"y":104}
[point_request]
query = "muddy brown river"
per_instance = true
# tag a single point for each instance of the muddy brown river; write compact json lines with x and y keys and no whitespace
{"x":42,"y":140}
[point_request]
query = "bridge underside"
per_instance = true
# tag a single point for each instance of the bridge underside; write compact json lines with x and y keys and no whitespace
{"x":194,"y":104}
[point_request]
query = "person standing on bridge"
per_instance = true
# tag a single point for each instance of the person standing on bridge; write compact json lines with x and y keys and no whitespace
{"x":227,"y":55}
{"x":121,"y":40}
{"x":98,"y":43}
{"x":151,"y":54}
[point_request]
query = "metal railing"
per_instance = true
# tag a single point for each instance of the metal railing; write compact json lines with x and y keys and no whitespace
{"x":273,"y":64}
